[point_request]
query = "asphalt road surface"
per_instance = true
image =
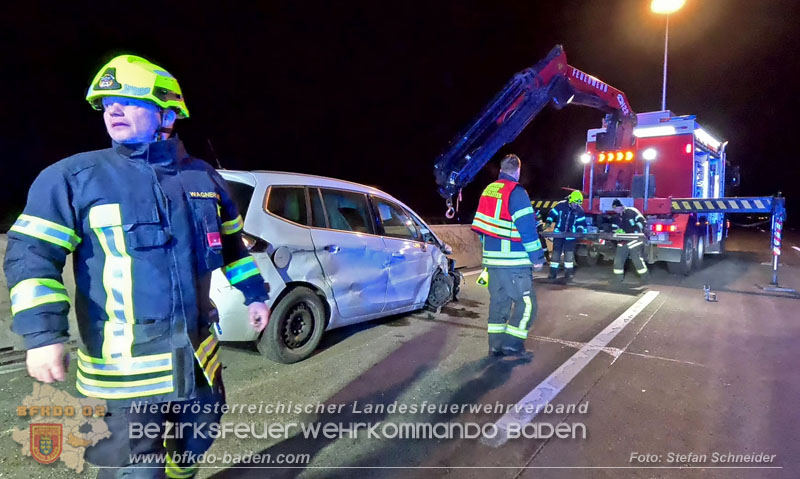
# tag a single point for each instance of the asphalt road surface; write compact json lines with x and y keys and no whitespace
{"x":648,"y":382}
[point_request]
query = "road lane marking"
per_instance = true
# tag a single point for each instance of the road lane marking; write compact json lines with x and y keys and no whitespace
{"x":527,"y":408}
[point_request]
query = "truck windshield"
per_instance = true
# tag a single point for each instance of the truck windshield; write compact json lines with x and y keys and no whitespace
{"x":242,"y":194}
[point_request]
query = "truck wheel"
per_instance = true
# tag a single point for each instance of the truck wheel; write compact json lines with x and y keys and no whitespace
{"x":699,"y":251}
{"x":591,"y":257}
{"x":684,"y":266}
{"x":295,"y":327}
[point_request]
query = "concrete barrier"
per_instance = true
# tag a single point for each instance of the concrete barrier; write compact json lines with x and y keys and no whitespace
{"x":465,"y":243}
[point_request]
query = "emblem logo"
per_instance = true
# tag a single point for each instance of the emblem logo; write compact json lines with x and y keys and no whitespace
{"x":46,"y":442}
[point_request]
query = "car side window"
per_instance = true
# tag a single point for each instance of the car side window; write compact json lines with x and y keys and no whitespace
{"x":288,"y":202}
{"x":395,"y":221}
{"x":318,"y":219}
{"x":347,"y":211}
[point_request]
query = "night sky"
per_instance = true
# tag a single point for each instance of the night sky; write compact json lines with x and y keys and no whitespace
{"x":373,"y":91}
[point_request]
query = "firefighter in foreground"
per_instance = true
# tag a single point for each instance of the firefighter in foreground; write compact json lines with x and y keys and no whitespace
{"x":147,"y":225}
{"x":568,"y":217}
{"x":506,"y":223}
{"x":628,"y":220}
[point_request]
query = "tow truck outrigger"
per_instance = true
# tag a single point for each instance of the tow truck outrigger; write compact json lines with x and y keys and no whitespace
{"x":687,"y":222}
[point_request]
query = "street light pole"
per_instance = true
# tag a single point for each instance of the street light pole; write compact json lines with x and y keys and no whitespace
{"x":666,"y":8}
{"x":666,"y":49}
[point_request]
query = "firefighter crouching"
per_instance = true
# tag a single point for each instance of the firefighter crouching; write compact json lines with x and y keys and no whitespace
{"x":628,"y":220}
{"x":568,"y":217}
{"x":147,"y":224}
{"x":506,"y":223}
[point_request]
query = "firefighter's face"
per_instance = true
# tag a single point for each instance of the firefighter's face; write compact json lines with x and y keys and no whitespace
{"x":619,"y":209}
{"x":129,"y":120}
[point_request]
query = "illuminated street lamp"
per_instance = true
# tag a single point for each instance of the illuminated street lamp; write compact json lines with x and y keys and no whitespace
{"x":649,"y":155}
{"x":665,"y":7}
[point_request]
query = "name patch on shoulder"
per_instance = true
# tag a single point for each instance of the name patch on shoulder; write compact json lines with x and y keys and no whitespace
{"x":204,"y":194}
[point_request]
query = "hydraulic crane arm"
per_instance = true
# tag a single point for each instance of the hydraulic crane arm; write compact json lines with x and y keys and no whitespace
{"x":520,"y":100}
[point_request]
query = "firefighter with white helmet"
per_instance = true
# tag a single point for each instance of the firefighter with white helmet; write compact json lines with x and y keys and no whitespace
{"x":146,"y":225}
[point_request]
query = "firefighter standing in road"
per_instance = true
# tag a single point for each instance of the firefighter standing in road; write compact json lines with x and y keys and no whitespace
{"x":506,"y":223}
{"x":568,"y":217}
{"x":628,"y":220}
{"x":147,"y":225}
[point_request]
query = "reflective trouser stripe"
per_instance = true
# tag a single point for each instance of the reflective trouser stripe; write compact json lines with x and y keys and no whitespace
{"x":33,"y":292}
{"x":497,"y":328}
{"x":117,"y":281}
{"x":207,"y":355}
{"x":48,"y":231}
{"x":554,"y":264}
{"x":643,"y":270}
{"x":569,"y":265}
{"x":173,"y":470}
{"x":517,"y":332}
{"x":634,"y":244}
{"x":619,"y":271}
{"x":233,"y":226}
{"x":240,"y":270}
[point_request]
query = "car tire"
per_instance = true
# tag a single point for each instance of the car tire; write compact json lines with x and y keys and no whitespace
{"x":684,"y":266}
{"x":295,"y":327}
{"x":441,"y":291}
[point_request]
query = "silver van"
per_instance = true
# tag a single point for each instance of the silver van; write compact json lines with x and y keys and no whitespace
{"x":333,"y":253}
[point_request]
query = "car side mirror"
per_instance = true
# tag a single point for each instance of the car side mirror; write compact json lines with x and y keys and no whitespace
{"x":447,"y":249}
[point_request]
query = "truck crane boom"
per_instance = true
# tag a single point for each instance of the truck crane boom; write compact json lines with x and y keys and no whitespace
{"x":520,"y":100}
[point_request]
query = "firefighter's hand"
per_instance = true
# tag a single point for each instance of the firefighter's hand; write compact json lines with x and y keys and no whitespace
{"x":259,"y":315}
{"x":538,"y":267}
{"x":46,"y":363}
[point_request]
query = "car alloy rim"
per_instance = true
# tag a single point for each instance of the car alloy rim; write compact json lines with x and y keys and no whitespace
{"x":298,"y":325}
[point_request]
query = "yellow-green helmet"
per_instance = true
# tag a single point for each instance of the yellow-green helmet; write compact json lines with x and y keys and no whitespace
{"x":576,"y":197}
{"x":135,"y":77}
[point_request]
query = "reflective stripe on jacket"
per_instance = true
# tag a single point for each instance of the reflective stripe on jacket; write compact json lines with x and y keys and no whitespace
{"x":147,"y":225}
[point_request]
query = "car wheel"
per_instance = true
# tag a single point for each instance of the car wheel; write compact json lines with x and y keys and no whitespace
{"x":295,"y":327}
{"x":441,"y":291}
{"x":684,"y":266}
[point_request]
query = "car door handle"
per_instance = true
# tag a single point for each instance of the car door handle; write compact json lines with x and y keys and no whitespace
{"x":398,"y":255}
{"x":332,"y":249}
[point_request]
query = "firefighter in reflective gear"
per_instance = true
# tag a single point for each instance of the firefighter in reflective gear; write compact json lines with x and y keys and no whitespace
{"x":506,"y":223}
{"x":568,"y":217}
{"x":628,"y":220}
{"x":146,"y":224}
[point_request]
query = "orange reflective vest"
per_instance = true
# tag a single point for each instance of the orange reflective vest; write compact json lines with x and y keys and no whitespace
{"x":493,"y":217}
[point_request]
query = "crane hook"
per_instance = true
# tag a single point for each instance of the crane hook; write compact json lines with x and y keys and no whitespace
{"x":451,"y":212}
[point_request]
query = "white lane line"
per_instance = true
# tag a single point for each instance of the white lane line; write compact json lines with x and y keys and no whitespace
{"x":529,"y":406}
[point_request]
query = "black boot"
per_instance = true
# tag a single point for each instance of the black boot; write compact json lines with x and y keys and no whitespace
{"x":570,"y":273}
{"x":553,"y":273}
{"x":520,"y":353}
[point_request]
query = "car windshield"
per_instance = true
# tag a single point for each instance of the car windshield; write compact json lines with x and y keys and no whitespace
{"x":242,"y":194}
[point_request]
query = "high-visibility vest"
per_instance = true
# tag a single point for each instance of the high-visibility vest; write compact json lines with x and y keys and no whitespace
{"x":493,"y":217}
